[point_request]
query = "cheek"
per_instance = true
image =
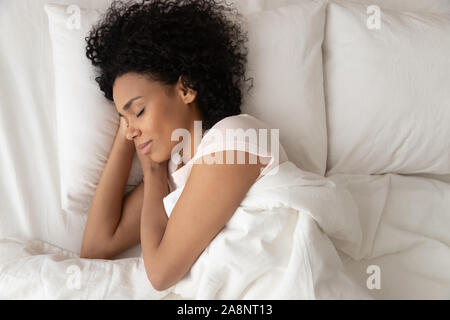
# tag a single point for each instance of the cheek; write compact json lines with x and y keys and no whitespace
{"x":162,"y":122}
{"x":151,"y":124}
{"x":159,"y":131}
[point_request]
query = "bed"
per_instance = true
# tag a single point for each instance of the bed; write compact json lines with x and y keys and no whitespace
{"x":403,"y":213}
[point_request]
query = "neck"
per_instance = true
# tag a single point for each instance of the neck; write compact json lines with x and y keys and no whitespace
{"x":194,"y":141}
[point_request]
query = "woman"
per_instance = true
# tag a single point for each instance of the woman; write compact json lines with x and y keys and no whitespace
{"x":166,"y":65}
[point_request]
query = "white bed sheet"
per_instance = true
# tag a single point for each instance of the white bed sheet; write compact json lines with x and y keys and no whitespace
{"x":405,"y":219}
{"x":274,"y":247}
{"x":405,"y":222}
{"x":29,"y":176}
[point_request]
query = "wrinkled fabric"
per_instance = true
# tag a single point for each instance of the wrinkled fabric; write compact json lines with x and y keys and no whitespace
{"x":276,"y":246}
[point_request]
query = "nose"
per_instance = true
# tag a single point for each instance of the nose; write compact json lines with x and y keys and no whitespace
{"x":132,"y":133}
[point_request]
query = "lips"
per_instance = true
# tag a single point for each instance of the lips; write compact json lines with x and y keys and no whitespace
{"x":143,"y":145}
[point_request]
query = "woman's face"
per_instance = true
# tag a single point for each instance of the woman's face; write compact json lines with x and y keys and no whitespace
{"x":153,"y":113}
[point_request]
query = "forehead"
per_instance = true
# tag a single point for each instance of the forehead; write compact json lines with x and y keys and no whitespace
{"x":130,"y":85}
{"x":128,"y":88}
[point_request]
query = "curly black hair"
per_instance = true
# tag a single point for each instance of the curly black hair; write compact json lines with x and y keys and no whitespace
{"x":163,"y":40}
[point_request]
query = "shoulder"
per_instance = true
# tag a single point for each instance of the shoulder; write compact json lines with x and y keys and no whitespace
{"x":234,"y":132}
{"x":240,"y":121}
{"x":215,"y":188}
{"x":224,"y":167}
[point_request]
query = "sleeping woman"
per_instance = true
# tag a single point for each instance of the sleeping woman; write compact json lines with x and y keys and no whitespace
{"x":166,"y":65}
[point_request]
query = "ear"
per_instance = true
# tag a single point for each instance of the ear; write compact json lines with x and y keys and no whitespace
{"x":187,"y":95}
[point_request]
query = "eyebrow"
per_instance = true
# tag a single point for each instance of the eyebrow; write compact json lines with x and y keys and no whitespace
{"x":128,"y":104}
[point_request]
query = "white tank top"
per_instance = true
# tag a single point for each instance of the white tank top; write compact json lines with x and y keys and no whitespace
{"x":241,"y":132}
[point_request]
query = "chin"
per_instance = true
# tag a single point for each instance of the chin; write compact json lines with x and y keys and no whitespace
{"x":158,"y":157}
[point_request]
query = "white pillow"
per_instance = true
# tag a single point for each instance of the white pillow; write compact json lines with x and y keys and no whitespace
{"x":285,"y":60}
{"x":387,"y":91}
{"x":436,"y":6}
{"x":86,"y":121}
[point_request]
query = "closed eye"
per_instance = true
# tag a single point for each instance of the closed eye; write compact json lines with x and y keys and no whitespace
{"x":139,"y":114}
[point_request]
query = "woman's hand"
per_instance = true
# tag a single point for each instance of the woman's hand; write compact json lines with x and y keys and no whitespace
{"x":155,"y":174}
{"x":122,"y":130}
{"x":121,"y":135}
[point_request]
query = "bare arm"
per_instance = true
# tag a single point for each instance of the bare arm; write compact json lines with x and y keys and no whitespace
{"x":211,"y":195}
{"x":113,"y":223}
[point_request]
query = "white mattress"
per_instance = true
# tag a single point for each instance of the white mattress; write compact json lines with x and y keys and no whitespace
{"x":405,"y":219}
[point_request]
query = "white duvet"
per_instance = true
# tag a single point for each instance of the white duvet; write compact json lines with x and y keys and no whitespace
{"x":276,"y":246}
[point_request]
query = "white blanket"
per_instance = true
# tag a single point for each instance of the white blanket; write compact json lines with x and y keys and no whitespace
{"x":276,"y":246}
